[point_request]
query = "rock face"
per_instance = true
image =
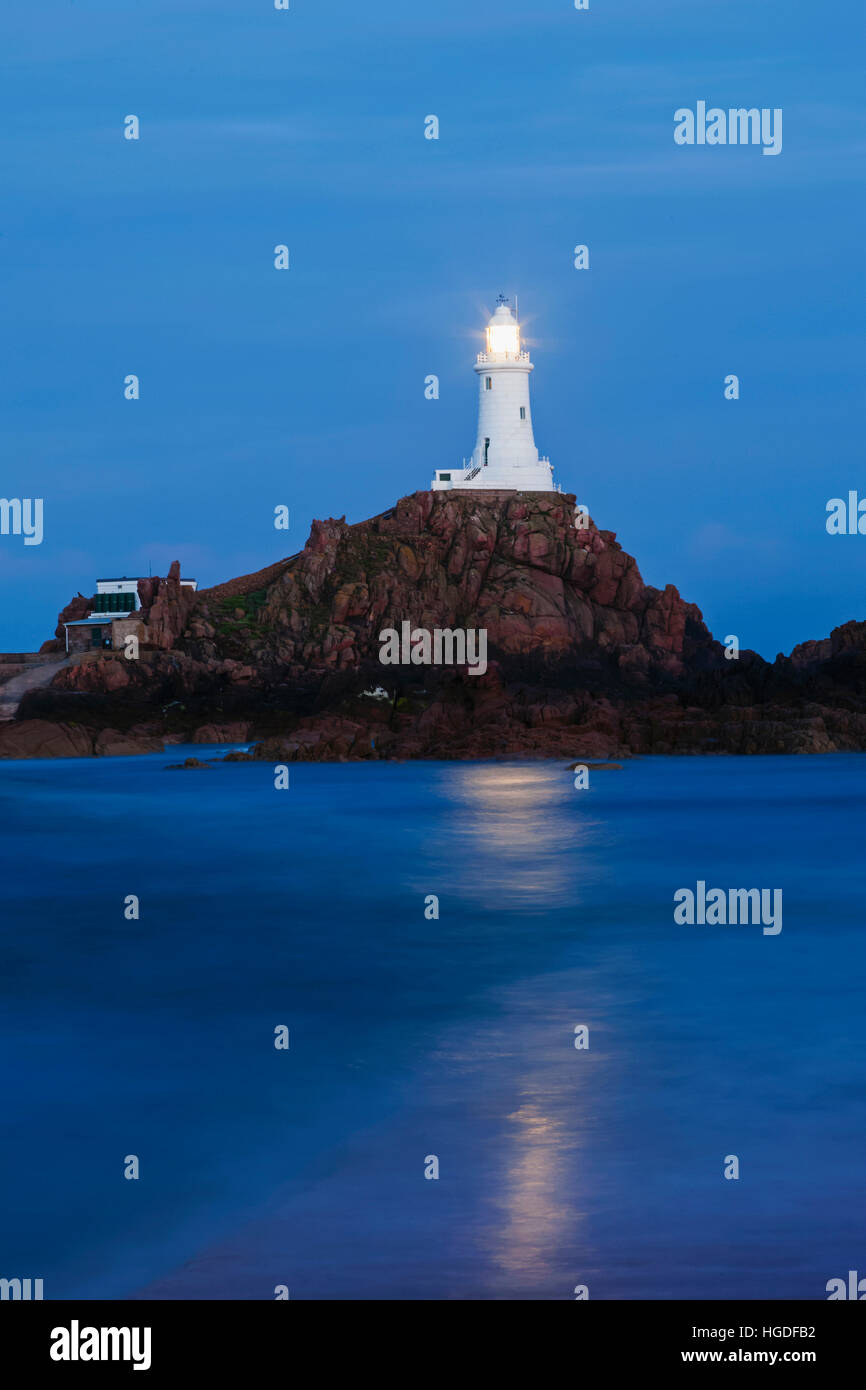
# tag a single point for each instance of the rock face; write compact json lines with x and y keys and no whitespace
{"x":513,"y":564}
{"x":109,"y":743}
{"x":164,"y":607}
{"x":221,"y":733}
{"x":78,"y":607}
{"x":40,"y":738}
{"x":584,"y":659}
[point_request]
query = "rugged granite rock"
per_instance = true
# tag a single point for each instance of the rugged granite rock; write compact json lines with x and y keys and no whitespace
{"x":165,"y":606}
{"x":222,"y":733}
{"x":41,"y":738}
{"x":584,"y":659}
{"x":77,"y":607}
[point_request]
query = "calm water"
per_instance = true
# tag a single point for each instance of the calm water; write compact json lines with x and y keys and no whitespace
{"x":413,"y":1037}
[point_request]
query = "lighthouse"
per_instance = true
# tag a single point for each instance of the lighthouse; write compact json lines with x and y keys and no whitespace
{"x":505,"y":455}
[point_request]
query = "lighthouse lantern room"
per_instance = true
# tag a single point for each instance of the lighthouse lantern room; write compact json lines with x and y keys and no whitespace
{"x":505,"y":455}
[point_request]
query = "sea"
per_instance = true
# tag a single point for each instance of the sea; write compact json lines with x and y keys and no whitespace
{"x":507,"y":1071}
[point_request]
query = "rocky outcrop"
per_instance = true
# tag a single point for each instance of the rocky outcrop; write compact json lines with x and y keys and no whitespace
{"x":221,"y":733}
{"x":110,"y":743}
{"x":585,"y":661}
{"x":513,"y":564}
{"x":76,"y":608}
{"x":109,"y":673}
{"x":165,"y":606}
{"x":41,"y":738}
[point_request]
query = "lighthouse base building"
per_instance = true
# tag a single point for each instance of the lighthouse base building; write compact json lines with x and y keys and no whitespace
{"x":505,"y":455}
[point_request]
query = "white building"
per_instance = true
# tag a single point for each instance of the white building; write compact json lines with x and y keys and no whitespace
{"x":115,"y":600}
{"x":107,"y":591}
{"x":505,"y":455}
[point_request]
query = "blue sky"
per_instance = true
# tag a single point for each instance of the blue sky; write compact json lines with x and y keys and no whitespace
{"x":306,"y":387}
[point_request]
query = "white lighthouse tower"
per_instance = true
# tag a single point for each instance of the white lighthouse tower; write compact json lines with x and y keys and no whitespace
{"x":505,"y":455}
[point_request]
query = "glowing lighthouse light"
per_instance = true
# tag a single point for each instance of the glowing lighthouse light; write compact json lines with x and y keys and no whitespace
{"x":503,"y":337}
{"x":505,"y":455}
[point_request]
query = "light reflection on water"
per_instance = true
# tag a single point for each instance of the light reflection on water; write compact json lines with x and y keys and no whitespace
{"x":533,"y":1212}
{"x":520,"y":839}
{"x":535,"y":1100}
{"x":452,"y":1037}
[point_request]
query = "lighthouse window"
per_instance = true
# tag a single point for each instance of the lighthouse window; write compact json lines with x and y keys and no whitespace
{"x":523,"y":412}
{"x":488,"y":384}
